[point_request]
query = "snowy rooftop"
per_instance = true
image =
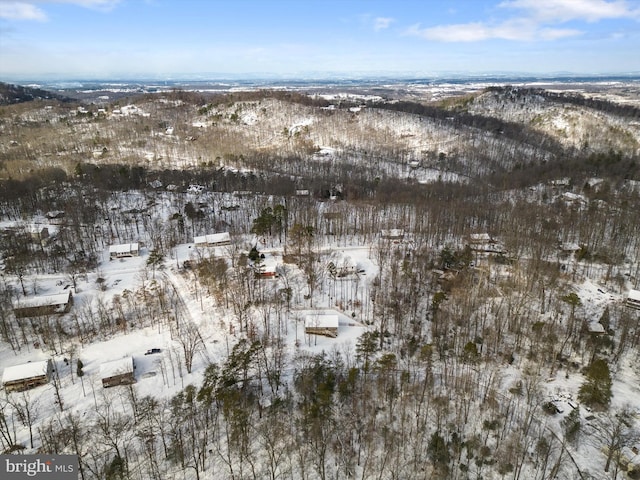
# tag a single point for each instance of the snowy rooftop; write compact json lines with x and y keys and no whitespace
{"x":596,"y":327}
{"x":392,"y":232}
{"x":480,"y":237}
{"x":123,"y":248}
{"x":269,"y":264}
{"x":321,"y":321}
{"x":24,"y":371}
{"x":116,"y":367}
{"x":213,"y":238}
{"x":44,"y":300}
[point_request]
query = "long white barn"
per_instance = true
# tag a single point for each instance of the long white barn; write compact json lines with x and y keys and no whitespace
{"x":124,"y":250}
{"x":213,"y":240}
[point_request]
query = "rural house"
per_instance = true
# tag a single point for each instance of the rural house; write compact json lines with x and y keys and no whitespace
{"x":26,"y":376}
{"x":38,"y":233}
{"x":321,"y":324}
{"x":483,"y":242}
{"x":633,"y":299}
{"x":392,"y":234}
{"x":43,"y":305}
{"x":117,"y":372}
{"x":56,"y":217}
{"x":630,"y":460}
{"x":266,"y":267}
{"x":124,"y":250}
{"x":213,"y":240}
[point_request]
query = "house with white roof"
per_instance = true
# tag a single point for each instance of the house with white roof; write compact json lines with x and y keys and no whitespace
{"x":26,"y":376}
{"x":484,"y":243}
{"x":124,"y":250}
{"x":633,"y":299}
{"x":213,"y":240}
{"x":43,"y":305}
{"x":266,"y":267}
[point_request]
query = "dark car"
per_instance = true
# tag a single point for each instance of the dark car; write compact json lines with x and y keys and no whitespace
{"x":151,"y":351}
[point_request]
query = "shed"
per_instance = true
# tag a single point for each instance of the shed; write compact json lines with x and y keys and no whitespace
{"x":43,"y":305}
{"x":124,"y":250}
{"x":26,"y":376}
{"x":322,"y":324}
{"x":213,"y":240}
{"x":596,"y":328}
{"x":117,"y":372}
{"x":633,"y":299}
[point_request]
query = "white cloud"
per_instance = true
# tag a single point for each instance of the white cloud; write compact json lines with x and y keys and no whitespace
{"x":104,"y":5}
{"x":567,"y":10}
{"x":30,"y":10}
{"x":513,"y":30}
{"x":538,"y":21}
{"x":558,"y":33}
{"x":381,"y":23}
{"x":21,"y":11}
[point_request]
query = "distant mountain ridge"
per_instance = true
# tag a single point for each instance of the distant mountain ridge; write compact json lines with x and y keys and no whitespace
{"x":10,"y":94}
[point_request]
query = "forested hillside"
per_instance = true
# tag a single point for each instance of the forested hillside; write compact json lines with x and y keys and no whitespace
{"x":10,"y":94}
{"x":408,"y":289}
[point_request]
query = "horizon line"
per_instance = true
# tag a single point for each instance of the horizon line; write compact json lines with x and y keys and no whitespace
{"x":315,"y":76}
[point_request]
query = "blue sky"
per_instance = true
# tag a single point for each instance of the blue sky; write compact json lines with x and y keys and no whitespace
{"x":104,"y":39}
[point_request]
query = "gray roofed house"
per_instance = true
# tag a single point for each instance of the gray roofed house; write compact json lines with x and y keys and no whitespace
{"x":117,"y":372}
{"x":322,"y":324}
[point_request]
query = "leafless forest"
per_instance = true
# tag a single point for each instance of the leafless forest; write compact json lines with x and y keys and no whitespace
{"x":515,"y":215}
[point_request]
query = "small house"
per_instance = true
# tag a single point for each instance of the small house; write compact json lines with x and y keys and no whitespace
{"x":124,"y":250}
{"x":117,"y":372}
{"x":43,"y":305}
{"x":213,"y":240}
{"x":322,"y":324}
{"x":596,"y":329}
{"x":56,"y":217}
{"x":569,"y":248}
{"x":333,"y":220}
{"x":38,"y":232}
{"x":484,"y":243}
{"x":480,"y":238}
{"x":392,"y":234}
{"x":633,"y":299}
{"x":28,"y":375}
{"x":630,"y":460}
{"x":266,"y":268}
